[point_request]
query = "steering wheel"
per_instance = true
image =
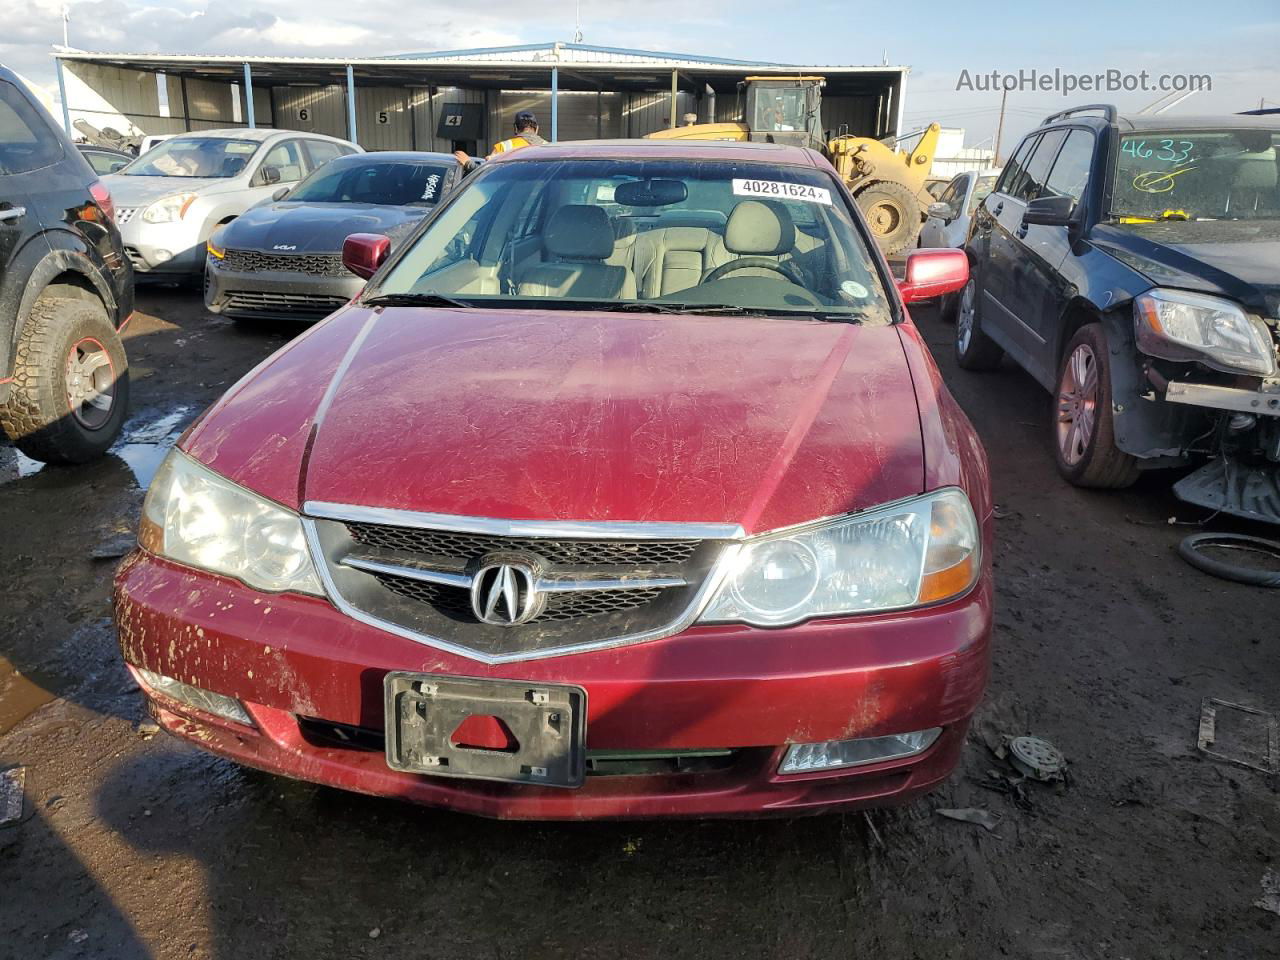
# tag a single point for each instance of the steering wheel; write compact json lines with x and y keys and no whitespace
{"x":787,"y":270}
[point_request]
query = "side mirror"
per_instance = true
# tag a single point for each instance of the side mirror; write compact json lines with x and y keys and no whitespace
{"x":118,"y":165}
{"x":269,"y":175}
{"x":280,"y":194}
{"x":1051,"y":212}
{"x":931,"y":273}
{"x":364,"y":253}
{"x":942,"y":211}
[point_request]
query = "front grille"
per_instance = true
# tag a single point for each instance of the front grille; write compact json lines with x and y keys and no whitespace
{"x":136,"y":258}
{"x":454,"y":544}
{"x":587,"y":590}
{"x":125,"y":214}
{"x":305,"y":305}
{"x":309,"y":264}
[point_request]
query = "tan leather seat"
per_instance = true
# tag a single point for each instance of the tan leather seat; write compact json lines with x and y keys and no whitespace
{"x":576,"y":243}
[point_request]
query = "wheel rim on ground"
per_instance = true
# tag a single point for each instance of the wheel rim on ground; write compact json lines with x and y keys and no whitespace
{"x":884,"y":217}
{"x":964,"y":318}
{"x":1077,"y":403}
{"x":91,"y":383}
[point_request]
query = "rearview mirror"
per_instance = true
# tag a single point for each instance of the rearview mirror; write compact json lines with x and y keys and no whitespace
{"x":942,"y":211}
{"x":280,"y":194}
{"x":364,"y":253}
{"x":650,"y":193}
{"x":1051,"y":212}
{"x":931,"y":273}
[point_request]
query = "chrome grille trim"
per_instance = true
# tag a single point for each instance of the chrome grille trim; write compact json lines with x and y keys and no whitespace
{"x":545,"y":584}
{"x":565,"y":529}
{"x":729,"y":534}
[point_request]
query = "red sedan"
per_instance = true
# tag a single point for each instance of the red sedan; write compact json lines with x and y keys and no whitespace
{"x":626,"y":488}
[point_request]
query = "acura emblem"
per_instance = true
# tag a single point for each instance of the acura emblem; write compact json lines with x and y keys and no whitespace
{"x":505,"y":594}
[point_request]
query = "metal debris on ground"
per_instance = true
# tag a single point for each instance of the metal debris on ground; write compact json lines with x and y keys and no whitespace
{"x":148,"y":729}
{"x":1270,"y":899}
{"x":13,"y":789}
{"x":114,"y":548}
{"x":1011,"y":785}
{"x":983,"y":818}
{"x":1264,"y":759}
{"x":875,"y":834}
{"x":1036,"y":758}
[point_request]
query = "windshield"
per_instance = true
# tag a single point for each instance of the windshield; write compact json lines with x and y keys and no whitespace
{"x":397,"y":184}
{"x":194,"y":157}
{"x":647,"y":234}
{"x":1198,"y":175}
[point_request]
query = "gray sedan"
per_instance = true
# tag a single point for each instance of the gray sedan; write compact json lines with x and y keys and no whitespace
{"x":283,"y":258}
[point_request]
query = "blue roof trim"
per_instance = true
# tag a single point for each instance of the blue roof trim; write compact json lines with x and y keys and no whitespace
{"x":585,"y":47}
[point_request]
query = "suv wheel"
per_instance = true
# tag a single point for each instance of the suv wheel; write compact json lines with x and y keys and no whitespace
{"x":70,"y":384}
{"x":974,"y":349}
{"x":1083,"y":425}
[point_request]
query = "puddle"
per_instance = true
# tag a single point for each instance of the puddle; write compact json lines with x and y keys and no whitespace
{"x":19,"y":696}
{"x":142,"y":446}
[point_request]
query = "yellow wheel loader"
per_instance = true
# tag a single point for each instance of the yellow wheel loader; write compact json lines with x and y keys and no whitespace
{"x":888,"y":184}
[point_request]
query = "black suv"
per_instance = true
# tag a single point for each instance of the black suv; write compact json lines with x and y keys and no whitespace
{"x":66,"y":290}
{"x":1132,"y":266}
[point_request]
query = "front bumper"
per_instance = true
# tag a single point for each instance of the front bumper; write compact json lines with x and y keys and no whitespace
{"x":293,"y":659}
{"x":164,"y":249}
{"x":275,"y":294}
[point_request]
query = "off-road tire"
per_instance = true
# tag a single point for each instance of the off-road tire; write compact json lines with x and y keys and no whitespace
{"x":975,"y":350}
{"x":893,"y":214}
{"x":1100,"y":464}
{"x":37,"y":416}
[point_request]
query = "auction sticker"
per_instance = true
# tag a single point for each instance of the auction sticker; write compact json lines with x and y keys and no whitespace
{"x":780,"y":190}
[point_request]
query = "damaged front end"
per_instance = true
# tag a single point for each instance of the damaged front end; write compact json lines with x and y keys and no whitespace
{"x":1211,"y":355}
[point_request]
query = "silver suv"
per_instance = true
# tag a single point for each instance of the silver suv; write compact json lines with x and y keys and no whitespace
{"x":170,"y":199}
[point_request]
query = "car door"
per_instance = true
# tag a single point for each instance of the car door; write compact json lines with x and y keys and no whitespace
{"x":29,"y":181}
{"x":955,"y":229}
{"x":1006,"y":297}
{"x":990,"y":257}
{"x":934,"y":231}
{"x":1042,"y":292}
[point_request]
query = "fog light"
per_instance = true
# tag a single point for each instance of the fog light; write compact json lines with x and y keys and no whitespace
{"x":834,"y":754}
{"x":162,"y":255}
{"x":229,"y":708}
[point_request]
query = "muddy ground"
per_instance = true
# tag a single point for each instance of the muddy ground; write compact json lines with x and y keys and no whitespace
{"x":1106,"y":644}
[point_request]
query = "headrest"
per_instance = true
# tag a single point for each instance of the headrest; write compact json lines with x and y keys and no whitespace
{"x":759,"y":229}
{"x":579,"y":232}
{"x":1255,"y":173}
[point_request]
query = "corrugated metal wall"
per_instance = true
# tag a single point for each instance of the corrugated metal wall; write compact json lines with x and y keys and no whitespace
{"x":311,"y":109}
{"x":577,"y":118}
{"x":646,"y":112}
{"x":426,"y":108}
{"x":383,"y":118}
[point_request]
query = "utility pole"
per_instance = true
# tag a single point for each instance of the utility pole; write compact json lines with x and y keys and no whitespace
{"x":66,"y":23}
{"x":1004,"y":95}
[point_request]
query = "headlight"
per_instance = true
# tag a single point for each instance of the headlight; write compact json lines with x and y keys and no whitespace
{"x":906,"y":554}
{"x":215,"y":247}
{"x":195,"y":517}
{"x":1175,"y":325}
{"x":169,"y":209}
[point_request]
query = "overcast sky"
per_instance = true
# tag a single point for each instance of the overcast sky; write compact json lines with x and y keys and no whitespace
{"x":1234,"y":42}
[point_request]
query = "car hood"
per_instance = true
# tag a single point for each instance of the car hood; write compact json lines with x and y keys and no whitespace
{"x":570,"y":416}
{"x":1227,"y":258}
{"x":135,"y":191}
{"x":314,"y":227}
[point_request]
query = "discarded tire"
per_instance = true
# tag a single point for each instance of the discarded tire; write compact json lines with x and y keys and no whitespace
{"x":1192,"y":550}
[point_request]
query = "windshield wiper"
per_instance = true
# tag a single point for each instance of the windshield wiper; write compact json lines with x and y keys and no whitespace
{"x":415,"y":300}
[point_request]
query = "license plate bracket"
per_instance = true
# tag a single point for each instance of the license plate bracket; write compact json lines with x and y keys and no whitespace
{"x":547,"y":721}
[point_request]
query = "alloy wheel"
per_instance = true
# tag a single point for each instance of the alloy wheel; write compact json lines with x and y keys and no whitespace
{"x":91,"y":381}
{"x":1077,"y":404}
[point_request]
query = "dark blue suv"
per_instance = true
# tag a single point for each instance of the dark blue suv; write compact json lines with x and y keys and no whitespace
{"x":66,"y":290}
{"x":1132,"y":266}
